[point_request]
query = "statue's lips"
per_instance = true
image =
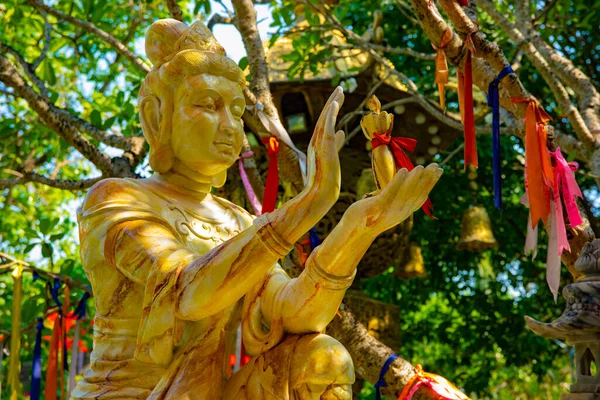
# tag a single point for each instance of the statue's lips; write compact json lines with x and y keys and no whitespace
{"x":224,"y":144}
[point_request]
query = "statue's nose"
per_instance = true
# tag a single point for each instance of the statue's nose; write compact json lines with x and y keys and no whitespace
{"x":227,"y":128}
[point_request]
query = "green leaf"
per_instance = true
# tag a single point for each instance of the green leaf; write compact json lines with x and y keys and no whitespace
{"x":48,"y":73}
{"x":45,"y":225}
{"x":96,"y":118}
{"x":47,"y":250}
{"x":243,"y":63}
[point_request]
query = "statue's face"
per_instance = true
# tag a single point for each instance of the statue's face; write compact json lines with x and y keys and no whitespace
{"x":207,"y":129}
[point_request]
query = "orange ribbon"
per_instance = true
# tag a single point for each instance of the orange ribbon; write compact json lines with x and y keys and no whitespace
{"x":51,"y":389}
{"x":465,"y":99}
{"x":538,"y":169}
{"x":441,"y":65}
{"x":63,"y":329}
{"x":272,"y":182}
{"x":57,"y":342}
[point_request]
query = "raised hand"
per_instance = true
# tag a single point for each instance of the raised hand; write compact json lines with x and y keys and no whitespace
{"x":405,"y":194}
{"x":323,"y":172}
{"x":294,"y":218}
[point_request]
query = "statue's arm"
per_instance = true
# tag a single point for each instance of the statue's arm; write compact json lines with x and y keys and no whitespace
{"x":145,"y":250}
{"x":309,"y":302}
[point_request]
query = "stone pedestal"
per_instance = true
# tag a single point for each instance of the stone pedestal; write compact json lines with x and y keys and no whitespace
{"x":579,"y":325}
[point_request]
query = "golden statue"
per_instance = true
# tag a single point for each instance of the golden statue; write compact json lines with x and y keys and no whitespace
{"x":175,"y":270}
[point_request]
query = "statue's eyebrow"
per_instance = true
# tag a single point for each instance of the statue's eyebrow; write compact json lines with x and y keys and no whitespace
{"x":205,"y":92}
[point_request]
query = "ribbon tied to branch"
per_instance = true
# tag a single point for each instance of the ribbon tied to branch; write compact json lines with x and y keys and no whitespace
{"x":564,"y":190}
{"x":493,"y":99}
{"x":441,"y":65}
{"x":465,"y":100}
{"x":440,"y":386}
{"x":538,"y":170}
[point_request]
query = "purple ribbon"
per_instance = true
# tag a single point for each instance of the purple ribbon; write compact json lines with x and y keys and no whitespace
{"x":493,"y":99}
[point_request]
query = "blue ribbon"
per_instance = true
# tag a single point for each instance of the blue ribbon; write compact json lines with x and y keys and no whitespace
{"x":381,"y":382}
{"x":493,"y":99}
{"x":314,"y":238}
{"x":54,"y":292}
{"x":81,"y":306}
{"x":36,"y":374}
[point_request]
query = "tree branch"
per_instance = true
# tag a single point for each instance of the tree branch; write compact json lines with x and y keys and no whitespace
{"x":53,"y":117}
{"x":175,"y":10}
{"x":559,"y":91}
{"x":369,"y":355}
{"x":117,"y":62}
{"x":583,"y":87}
{"x":47,"y":38}
{"x":393,"y":50}
{"x":133,"y":145}
{"x":91,"y":28}
{"x":65,"y":184}
{"x":219,"y":19}
{"x":489,"y":60}
{"x":245,"y":21}
{"x":27,"y":68}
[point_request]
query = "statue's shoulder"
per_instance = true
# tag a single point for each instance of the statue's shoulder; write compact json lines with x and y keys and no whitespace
{"x":244,"y":217}
{"x":115,"y":190}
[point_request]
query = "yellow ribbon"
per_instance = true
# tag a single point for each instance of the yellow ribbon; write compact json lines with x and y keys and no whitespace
{"x":14,"y":369}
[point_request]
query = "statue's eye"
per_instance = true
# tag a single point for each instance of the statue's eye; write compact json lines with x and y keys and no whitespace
{"x":208,"y":103}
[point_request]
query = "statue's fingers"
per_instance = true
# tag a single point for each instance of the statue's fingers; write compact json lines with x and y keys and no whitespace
{"x":420,"y":189}
{"x":330,"y":119}
{"x":338,"y":96}
{"x":396,"y":185}
{"x":340,"y":136}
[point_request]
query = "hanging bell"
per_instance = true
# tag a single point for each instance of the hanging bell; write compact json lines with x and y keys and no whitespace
{"x":414,"y":266}
{"x":476,"y":232}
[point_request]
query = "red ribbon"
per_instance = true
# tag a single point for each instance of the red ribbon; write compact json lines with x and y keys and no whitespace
{"x":464,"y":3}
{"x":397,"y":145}
{"x":465,"y":99}
{"x":272,"y":183}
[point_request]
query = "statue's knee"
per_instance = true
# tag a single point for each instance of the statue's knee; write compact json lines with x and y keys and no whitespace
{"x":321,"y":360}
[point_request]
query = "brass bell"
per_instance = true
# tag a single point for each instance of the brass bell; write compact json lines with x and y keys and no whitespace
{"x":414,"y":266}
{"x":476,"y":232}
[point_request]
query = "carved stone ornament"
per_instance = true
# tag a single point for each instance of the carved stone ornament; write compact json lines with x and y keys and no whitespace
{"x":579,"y":325}
{"x":176,"y":271}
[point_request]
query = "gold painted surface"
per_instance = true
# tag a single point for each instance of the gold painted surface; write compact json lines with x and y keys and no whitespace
{"x":176,"y":270}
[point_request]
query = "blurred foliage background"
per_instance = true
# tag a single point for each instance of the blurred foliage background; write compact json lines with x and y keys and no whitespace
{"x":464,"y":321}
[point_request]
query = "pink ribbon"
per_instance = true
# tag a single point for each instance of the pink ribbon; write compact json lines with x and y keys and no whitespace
{"x":566,"y":185}
{"x":557,"y":241}
{"x":531,"y":240}
{"x":441,"y":391}
{"x":251,"y":195}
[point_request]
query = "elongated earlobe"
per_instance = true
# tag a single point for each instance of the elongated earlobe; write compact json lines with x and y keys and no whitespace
{"x":158,"y":136}
{"x":150,"y":119}
{"x":219,"y":179}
